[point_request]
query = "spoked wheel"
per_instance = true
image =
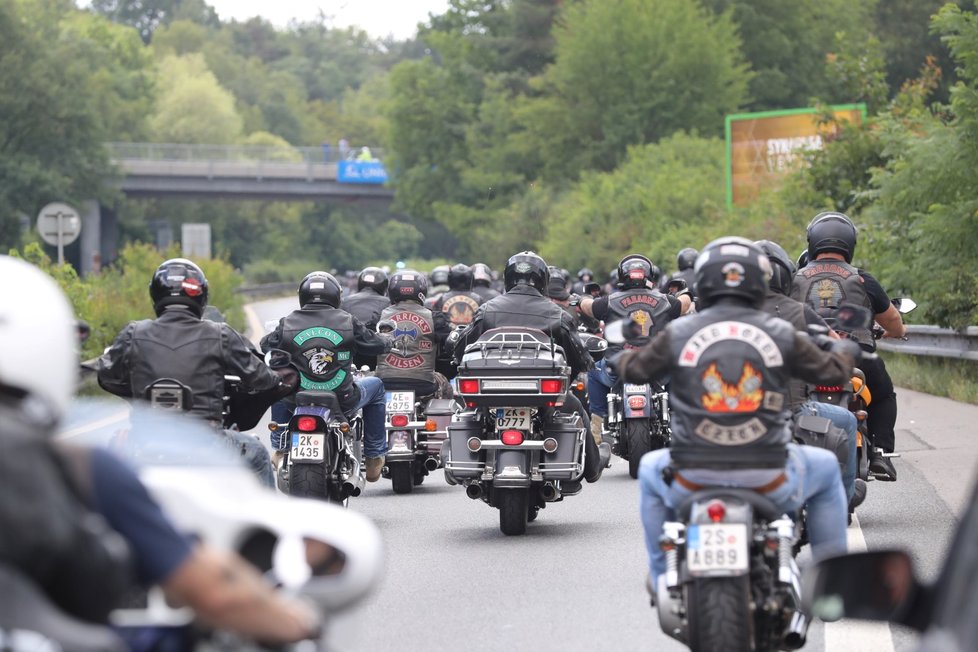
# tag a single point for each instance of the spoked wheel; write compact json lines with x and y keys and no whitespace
{"x":513,"y":507}
{"x":719,"y":616}
{"x":401,"y":477}
{"x":638,"y":434}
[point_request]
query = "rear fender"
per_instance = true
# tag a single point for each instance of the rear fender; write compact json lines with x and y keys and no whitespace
{"x":642,"y":395}
{"x":512,"y":469}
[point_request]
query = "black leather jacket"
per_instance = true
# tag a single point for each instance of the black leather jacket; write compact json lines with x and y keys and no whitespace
{"x":181,"y":346}
{"x":525,"y":306}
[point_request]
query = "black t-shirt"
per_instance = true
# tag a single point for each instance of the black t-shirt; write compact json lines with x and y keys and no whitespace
{"x":879,"y":301}
{"x":600,"y":307}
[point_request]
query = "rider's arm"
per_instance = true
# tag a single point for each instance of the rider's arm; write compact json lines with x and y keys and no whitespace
{"x":368,"y":343}
{"x":886,"y":314}
{"x":813,"y":365}
{"x":594,"y":308}
{"x":443,"y":327}
{"x":647,"y":363}
{"x":272,"y":340}
{"x":241,"y":359}
{"x":113,"y":365}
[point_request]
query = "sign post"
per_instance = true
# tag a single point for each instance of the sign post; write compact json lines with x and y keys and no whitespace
{"x":59,"y":225}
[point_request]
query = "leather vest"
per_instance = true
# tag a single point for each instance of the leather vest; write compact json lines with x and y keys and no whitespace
{"x":485,"y":293}
{"x":793,"y":312}
{"x":414,"y":337}
{"x":366,"y":305}
{"x":648,"y":308}
{"x":321,"y":344}
{"x":827,"y":284}
{"x":459,"y":306}
{"x":729,"y":409}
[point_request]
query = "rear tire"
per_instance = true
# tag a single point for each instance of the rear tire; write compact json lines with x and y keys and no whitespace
{"x":513,"y":507}
{"x":638,"y":434}
{"x":719,"y":619}
{"x":401,"y":477}
{"x":308,"y":481}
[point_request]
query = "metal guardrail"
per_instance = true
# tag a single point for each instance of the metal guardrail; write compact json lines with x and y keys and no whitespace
{"x":936,"y":342}
{"x":230,"y":153}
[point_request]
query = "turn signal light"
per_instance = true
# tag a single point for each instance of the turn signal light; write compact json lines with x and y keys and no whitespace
{"x":636,"y":402}
{"x":551,"y":386}
{"x":861,"y":415}
{"x":305,"y":424}
{"x":716,"y":511}
{"x":468,"y":386}
{"x":579,"y":386}
{"x":828,"y":389}
{"x":550,"y":444}
{"x":474,"y":444}
{"x":273,"y":426}
{"x":344,"y":427}
{"x":399,"y":420}
{"x":512,"y":437}
{"x":430,"y":425}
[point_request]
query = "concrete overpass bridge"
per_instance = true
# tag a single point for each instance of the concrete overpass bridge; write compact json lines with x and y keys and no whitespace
{"x":176,"y":171}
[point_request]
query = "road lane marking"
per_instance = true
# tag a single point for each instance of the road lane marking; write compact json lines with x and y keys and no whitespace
{"x":122,"y":416}
{"x":857,"y":635}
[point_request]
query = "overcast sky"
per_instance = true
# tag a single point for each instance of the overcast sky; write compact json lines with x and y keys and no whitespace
{"x":378,"y":17}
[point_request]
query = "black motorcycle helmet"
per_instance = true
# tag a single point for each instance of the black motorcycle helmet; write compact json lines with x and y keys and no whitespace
{"x":460,"y":278}
{"x":732,"y":267}
{"x":802,"y":259}
{"x":686,"y":258}
{"x":374,"y":278}
{"x":584,"y":275}
{"x":637,"y":271}
{"x":408,"y":285}
{"x":782,"y":269}
{"x":557,"y":287}
{"x":481,"y":275}
{"x":320,"y":288}
{"x":831,"y":232}
{"x":178,"y":281}
{"x":526,"y":268}
{"x":439,"y":275}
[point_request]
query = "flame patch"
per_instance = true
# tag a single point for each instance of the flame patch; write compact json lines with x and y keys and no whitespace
{"x":744,"y":396}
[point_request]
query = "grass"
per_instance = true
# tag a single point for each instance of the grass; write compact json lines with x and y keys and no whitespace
{"x":950,"y":377}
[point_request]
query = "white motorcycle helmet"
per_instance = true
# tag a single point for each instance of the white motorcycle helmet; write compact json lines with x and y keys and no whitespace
{"x":38,"y":342}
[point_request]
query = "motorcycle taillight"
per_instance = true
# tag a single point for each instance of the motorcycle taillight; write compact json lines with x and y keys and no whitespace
{"x":399,"y":420}
{"x":470,"y":386}
{"x":636,"y":402}
{"x":305,"y":424}
{"x":828,"y":389}
{"x":551,"y":386}
{"x":512,"y":437}
{"x":716,"y":510}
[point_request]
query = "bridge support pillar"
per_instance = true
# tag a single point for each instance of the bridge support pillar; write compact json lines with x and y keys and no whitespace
{"x":99,"y":234}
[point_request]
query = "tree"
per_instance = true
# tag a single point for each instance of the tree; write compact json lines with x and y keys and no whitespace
{"x":633,"y":71}
{"x":192,"y":107}
{"x":148,"y":15}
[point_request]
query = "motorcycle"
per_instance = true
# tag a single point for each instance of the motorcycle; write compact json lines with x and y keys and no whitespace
{"x":321,"y":448}
{"x":416,"y":431}
{"x":510,"y":447}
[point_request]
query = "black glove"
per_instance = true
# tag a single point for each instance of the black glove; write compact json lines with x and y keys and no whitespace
{"x":847,"y":347}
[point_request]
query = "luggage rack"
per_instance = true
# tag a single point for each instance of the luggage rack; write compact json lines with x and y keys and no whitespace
{"x":512,"y":344}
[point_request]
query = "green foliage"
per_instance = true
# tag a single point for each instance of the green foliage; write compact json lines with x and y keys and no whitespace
{"x":120,"y":294}
{"x":955,"y":379}
{"x":192,"y":107}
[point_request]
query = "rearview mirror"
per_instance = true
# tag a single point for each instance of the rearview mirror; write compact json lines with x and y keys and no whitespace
{"x":619,"y":332}
{"x":277,"y":358}
{"x":903,"y":304}
{"x":876,"y":585}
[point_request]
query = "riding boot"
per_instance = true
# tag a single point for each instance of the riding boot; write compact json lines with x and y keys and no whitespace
{"x":597,"y":424}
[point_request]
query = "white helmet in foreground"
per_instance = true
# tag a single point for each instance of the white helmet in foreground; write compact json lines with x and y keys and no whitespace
{"x":38,"y":342}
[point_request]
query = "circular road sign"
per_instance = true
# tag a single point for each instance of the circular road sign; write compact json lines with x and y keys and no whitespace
{"x":49,"y":228}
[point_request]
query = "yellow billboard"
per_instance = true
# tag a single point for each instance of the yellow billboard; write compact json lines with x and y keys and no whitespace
{"x":761,"y":147}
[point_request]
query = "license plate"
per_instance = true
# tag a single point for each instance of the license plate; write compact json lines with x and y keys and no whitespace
{"x":399,"y":402}
{"x":513,"y":419}
{"x":635,"y":389}
{"x":308,"y":447}
{"x":716,"y":548}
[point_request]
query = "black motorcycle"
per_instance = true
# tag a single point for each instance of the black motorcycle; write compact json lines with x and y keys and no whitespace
{"x":512,"y":447}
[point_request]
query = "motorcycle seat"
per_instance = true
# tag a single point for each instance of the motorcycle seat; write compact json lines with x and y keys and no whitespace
{"x":761,"y":504}
{"x":314,"y":398}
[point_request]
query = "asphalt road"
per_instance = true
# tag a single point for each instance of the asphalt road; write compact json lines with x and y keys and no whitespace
{"x":575,"y":581}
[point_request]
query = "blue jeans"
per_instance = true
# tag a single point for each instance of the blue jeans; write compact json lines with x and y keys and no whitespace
{"x":599,"y":383}
{"x":844,"y":420}
{"x":255,"y":455}
{"x":812,"y":479}
{"x":372,"y":403}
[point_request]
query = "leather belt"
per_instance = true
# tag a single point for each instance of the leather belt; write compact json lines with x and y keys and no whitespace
{"x":763,"y":489}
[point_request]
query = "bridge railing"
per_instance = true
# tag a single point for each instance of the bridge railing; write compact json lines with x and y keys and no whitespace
{"x":176,"y":152}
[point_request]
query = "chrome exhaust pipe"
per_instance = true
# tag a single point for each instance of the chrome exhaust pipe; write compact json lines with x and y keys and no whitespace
{"x":474,"y":491}
{"x":431,"y":464}
{"x":548,"y":492}
{"x":797,"y":632}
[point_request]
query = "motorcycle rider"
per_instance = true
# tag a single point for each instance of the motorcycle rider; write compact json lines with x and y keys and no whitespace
{"x":438,"y":284}
{"x":685,"y":260}
{"x":777,"y":303}
{"x":322,"y":339}
{"x":728,"y":365}
{"x":460,"y":303}
{"x":584,"y":277}
{"x":482,"y":282}
{"x":367,"y":303}
{"x":830,"y":280}
{"x":196,"y":352}
{"x":419,"y":333}
{"x":55,"y":485}
{"x":527,"y":277}
{"x":636,"y":300}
